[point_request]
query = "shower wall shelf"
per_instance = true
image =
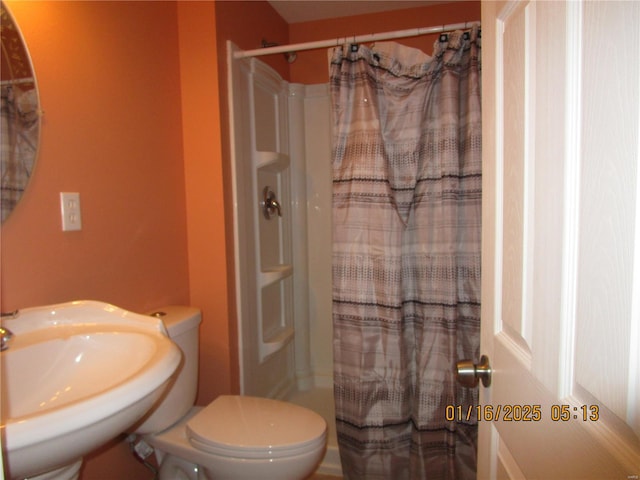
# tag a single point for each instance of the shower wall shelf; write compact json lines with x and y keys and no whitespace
{"x":272,"y":161}
{"x":275,"y":274}
{"x":276,"y":343}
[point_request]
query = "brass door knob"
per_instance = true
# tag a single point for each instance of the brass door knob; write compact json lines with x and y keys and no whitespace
{"x":468,"y":373}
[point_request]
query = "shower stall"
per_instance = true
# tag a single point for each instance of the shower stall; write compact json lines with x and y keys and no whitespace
{"x":281,"y":157}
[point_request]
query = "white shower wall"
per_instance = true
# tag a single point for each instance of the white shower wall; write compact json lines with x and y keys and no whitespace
{"x":317,"y":203}
{"x":317,"y":120}
{"x":281,"y":139}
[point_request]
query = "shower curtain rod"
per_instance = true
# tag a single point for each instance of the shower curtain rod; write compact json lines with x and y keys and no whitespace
{"x":372,"y":37}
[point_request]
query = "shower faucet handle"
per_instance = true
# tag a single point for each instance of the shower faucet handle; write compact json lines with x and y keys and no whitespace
{"x":270,"y":203}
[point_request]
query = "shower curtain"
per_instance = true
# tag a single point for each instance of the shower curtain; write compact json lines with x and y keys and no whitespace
{"x":406,"y":256}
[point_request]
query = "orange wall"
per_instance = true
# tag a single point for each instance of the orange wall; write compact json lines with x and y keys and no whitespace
{"x":247,"y":23}
{"x":209,"y":257}
{"x":111,"y":131}
{"x":312,"y":66}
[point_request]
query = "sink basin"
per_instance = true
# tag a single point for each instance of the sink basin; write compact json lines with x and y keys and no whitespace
{"x":76,"y":375}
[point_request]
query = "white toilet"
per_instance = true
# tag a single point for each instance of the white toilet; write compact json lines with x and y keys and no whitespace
{"x":234,"y":437}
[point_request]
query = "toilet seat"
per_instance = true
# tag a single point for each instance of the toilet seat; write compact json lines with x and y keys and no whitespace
{"x":252,"y":427}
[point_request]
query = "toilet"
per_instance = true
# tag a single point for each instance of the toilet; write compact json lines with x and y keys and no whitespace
{"x":235,"y":436}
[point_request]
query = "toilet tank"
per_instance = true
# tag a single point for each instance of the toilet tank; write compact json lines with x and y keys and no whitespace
{"x":182,"y":326}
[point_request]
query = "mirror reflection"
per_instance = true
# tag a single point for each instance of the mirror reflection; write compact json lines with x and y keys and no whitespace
{"x":20,"y":115}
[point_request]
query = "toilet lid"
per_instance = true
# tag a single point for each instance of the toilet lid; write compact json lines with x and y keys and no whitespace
{"x":236,"y":425}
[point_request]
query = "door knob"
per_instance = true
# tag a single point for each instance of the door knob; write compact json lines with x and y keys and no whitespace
{"x":468,"y":373}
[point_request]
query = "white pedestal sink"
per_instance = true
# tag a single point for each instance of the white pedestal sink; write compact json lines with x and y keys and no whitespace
{"x":74,"y":376}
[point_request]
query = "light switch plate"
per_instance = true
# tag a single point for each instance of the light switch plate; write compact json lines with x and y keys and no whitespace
{"x":70,"y":211}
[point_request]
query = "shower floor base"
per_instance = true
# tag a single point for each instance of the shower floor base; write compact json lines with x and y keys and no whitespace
{"x":320,"y":400}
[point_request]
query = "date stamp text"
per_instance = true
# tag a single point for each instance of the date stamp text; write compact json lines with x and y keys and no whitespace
{"x":522,"y":413}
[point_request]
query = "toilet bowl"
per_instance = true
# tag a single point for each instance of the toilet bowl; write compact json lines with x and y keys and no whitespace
{"x":234,"y":437}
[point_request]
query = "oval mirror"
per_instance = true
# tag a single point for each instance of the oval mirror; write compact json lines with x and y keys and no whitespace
{"x":20,"y":115}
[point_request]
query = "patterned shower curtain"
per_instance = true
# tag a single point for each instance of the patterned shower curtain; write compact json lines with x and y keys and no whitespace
{"x":406,"y":256}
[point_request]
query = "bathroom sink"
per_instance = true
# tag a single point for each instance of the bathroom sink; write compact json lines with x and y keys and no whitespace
{"x":74,"y":376}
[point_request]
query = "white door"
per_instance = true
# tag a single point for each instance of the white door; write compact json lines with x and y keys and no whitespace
{"x":561,"y":240}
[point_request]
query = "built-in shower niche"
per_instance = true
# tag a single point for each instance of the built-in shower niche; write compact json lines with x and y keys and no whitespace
{"x":275,"y":304}
{"x":274,"y":203}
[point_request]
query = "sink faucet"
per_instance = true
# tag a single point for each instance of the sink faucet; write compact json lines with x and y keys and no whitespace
{"x":5,"y":334}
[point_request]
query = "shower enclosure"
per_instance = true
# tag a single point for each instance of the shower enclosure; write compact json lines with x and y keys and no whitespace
{"x":281,"y":158}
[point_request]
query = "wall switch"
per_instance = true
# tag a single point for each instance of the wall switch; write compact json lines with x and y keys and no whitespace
{"x":70,"y":210}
